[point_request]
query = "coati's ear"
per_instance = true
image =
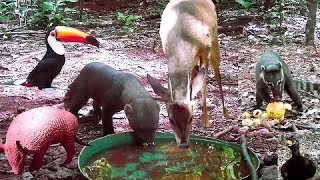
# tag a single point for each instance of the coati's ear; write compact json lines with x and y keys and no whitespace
{"x":128,"y":109}
{"x":280,"y":65}
{"x":263,"y":68}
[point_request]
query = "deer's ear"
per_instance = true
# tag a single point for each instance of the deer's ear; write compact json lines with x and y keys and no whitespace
{"x":197,"y":82}
{"x":164,"y":93}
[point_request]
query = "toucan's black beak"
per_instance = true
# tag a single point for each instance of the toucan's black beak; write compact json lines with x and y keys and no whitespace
{"x":69,"y":34}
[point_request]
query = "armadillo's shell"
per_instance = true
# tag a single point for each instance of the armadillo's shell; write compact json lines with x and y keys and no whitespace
{"x":41,"y":127}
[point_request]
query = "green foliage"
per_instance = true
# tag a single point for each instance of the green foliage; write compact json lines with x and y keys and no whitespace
{"x":282,"y":9}
{"x":84,"y":17}
{"x":158,"y":9}
{"x":6,"y":10}
{"x":102,"y":166}
{"x":246,"y":6}
{"x":50,"y":13}
{"x":279,"y":13}
{"x":127,"y":21}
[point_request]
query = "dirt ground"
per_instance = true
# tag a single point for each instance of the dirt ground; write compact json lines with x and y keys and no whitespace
{"x":141,"y":53}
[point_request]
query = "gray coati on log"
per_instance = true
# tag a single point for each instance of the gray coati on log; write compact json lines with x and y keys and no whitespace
{"x":114,"y":91}
{"x":273,"y":75}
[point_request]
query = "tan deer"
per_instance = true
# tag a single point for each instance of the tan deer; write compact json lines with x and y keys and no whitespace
{"x":188,"y":33}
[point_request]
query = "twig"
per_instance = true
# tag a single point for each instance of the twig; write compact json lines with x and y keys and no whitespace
{"x":90,"y":24}
{"x":293,"y":112}
{"x":223,"y":132}
{"x":307,"y":127}
{"x":246,"y":156}
{"x":294,"y":128}
{"x":13,"y":74}
{"x":13,"y":29}
{"x":6,"y":172}
{"x":152,"y":16}
{"x":27,"y":57}
{"x":22,"y":33}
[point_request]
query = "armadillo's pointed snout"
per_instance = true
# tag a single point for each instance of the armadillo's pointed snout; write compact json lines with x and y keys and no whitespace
{"x":1,"y":147}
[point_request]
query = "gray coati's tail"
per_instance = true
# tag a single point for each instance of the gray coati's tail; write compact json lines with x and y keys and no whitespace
{"x":307,"y":85}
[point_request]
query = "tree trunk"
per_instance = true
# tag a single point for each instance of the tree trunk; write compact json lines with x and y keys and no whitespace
{"x":80,"y":10}
{"x":311,"y":22}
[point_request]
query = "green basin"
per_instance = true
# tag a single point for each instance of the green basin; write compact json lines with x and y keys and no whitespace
{"x":114,"y":141}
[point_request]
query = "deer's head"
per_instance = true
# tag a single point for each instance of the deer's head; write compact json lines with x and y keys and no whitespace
{"x":178,"y":98}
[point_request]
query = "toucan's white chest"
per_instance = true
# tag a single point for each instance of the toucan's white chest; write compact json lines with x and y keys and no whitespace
{"x":56,"y":45}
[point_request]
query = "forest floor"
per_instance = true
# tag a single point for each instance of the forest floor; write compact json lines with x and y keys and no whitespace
{"x":140,"y":53}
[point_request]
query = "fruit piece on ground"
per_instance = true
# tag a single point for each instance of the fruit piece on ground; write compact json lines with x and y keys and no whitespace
{"x":283,"y":122}
{"x":275,"y":110}
{"x":287,"y":106}
{"x":257,"y":121}
{"x":247,"y":122}
{"x":243,"y":130}
{"x":245,"y":115}
{"x":257,"y":113}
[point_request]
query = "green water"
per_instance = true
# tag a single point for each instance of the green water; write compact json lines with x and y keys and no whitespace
{"x":165,"y":161}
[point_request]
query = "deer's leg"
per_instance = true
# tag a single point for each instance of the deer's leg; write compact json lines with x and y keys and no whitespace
{"x":215,"y":63}
{"x":205,"y":116}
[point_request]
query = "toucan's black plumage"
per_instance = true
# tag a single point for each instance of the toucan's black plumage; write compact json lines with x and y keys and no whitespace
{"x":297,"y":167}
{"x":51,"y":64}
{"x":47,"y":69}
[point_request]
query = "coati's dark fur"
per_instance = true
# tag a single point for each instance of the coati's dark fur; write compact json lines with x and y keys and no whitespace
{"x":114,"y":91}
{"x":273,"y":75}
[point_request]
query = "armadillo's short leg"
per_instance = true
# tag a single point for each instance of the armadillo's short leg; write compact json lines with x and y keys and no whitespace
{"x":70,"y":149}
{"x":107,"y":121}
{"x":293,"y":93}
{"x":37,"y":160}
{"x":215,"y":63}
{"x":97,"y":110}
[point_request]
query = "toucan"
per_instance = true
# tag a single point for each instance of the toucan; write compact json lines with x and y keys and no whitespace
{"x":51,"y":64}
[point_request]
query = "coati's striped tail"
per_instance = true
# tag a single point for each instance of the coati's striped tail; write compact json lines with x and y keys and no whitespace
{"x":307,"y":85}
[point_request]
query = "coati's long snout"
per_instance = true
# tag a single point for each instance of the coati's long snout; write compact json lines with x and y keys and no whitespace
{"x":273,"y":76}
{"x":145,"y":138}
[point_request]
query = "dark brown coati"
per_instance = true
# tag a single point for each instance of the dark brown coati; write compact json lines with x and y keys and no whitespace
{"x":114,"y":91}
{"x":273,"y":75}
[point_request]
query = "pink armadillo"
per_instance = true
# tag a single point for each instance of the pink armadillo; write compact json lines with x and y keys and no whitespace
{"x":33,"y":131}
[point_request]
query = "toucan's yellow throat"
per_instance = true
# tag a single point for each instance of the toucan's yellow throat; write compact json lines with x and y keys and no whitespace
{"x":69,"y":34}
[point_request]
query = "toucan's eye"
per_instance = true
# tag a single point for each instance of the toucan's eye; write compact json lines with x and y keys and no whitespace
{"x":52,"y":34}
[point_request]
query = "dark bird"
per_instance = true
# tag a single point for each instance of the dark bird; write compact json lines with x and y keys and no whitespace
{"x":297,"y":167}
{"x":51,"y":64}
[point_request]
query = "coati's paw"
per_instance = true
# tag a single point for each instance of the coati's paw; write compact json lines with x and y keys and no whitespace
{"x":300,"y":108}
{"x":257,"y":107}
